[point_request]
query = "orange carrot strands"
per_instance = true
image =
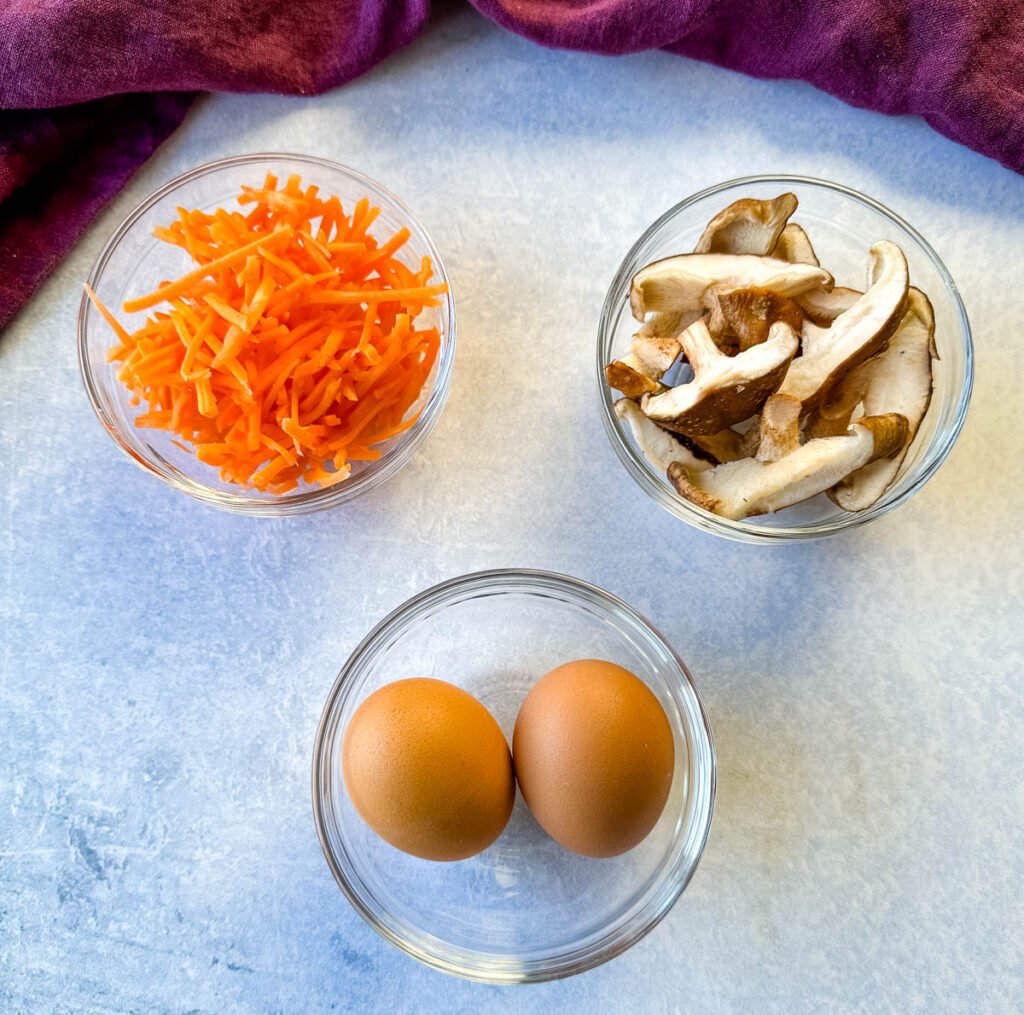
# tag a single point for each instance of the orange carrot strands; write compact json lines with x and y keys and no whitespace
{"x":126,"y":339}
{"x":182,"y":285}
{"x":384,"y":252}
{"x":346,"y":248}
{"x":378,"y":295}
{"x":291,"y":350}
{"x":225,"y":310}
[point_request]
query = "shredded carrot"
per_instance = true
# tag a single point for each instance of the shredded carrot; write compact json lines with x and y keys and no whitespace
{"x":292,"y":349}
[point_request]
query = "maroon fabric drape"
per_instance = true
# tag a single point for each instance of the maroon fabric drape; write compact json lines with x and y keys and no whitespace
{"x":58,"y":169}
{"x":89,"y":88}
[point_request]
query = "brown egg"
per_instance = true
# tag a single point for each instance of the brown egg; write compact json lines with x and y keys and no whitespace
{"x":594,"y":757}
{"x":428,"y":769}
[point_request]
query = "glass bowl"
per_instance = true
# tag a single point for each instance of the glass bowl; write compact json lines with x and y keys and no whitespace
{"x":134,"y":262}
{"x":842,"y":224}
{"x":525,"y":909}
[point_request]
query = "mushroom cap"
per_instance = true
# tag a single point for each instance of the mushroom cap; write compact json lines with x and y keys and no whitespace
{"x":725,"y":389}
{"x":750,"y":487}
{"x":856,"y":334}
{"x":658,"y":446}
{"x":794,"y":245}
{"x":681,"y":283}
{"x":747,"y":226}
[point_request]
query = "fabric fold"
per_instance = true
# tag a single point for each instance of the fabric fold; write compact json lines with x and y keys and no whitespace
{"x":77,"y":127}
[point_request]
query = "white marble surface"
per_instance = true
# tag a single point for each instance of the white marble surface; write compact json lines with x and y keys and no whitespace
{"x":164,"y":665}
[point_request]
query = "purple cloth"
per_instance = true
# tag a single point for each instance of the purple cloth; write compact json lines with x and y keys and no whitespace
{"x":58,"y":169}
{"x":957,"y":63}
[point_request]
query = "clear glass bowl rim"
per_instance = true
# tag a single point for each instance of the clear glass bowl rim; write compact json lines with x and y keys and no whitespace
{"x":743,"y":531}
{"x":311,"y":500}
{"x":704,"y":778}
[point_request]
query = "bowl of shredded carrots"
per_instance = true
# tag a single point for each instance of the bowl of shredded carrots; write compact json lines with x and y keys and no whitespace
{"x":271,"y":334}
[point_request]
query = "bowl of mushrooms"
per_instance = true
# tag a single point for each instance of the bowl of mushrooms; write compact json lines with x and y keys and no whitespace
{"x":782,"y":358}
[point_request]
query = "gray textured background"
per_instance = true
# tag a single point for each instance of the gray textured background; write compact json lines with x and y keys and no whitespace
{"x":164,"y":665}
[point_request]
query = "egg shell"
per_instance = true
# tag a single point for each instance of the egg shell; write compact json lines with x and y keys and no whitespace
{"x":428,"y":769}
{"x":594,"y":756}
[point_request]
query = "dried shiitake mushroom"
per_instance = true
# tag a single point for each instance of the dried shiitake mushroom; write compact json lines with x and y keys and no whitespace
{"x":794,"y":245}
{"x":778,"y":429}
{"x":661,"y":447}
{"x":752,"y":487}
{"x":823,"y":306}
{"x":725,"y":446}
{"x":747,"y":226}
{"x":651,"y":353}
{"x":898,"y":378}
{"x":683,"y":282}
{"x":725,"y":389}
{"x":799,"y":386}
{"x":856,"y":334}
{"x":747,"y":315}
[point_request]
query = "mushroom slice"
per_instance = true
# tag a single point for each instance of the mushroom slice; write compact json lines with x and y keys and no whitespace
{"x":725,"y":389}
{"x":750,"y":440}
{"x":778,"y":428}
{"x":751,"y":487}
{"x":898,"y":379}
{"x":656,"y":353}
{"x":747,"y":226}
{"x":668,"y":323}
{"x":629,"y":376}
{"x":724,"y":446}
{"x":793,"y":245}
{"x":823,"y":306}
{"x":639,"y":372}
{"x":856,"y":334}
{"x":681,"y":283}
{"x":748,"y":314}
{"x":658,"y":446}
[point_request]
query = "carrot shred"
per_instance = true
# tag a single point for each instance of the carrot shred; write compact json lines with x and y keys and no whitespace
{"x":378,"y":295}
{"x":291,"y":350}
{"x":182,"y":285}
